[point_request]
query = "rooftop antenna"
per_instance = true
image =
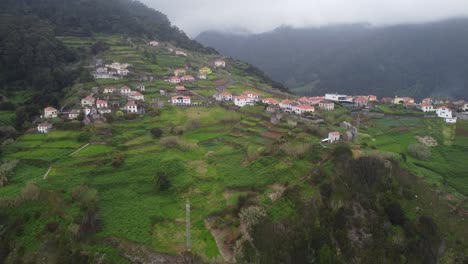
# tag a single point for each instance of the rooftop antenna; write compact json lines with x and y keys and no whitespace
{"x":187,"y":223}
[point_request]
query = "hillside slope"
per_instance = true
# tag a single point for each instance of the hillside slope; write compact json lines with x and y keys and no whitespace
{"x":413,"y":60}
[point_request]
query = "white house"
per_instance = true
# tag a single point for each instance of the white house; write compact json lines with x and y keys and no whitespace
{"x":153,"y":43}
{"x":252,"y":95}
{"x":187,"y":78}
{"x":220,"y":63}
{"x":270,"y":101}
{"x":44,"y":127}
{"x":202,"y":76}
{"x":174,"y":80}
{"x":224,"y":96}
{"x":464,"y":107}
{"x":181,"y":53}
{"x":101,"y":104}
{"x":327,"y":105}
{"x":185,"y":100}
{"x":50,"y":112}
{"x":336,"y":97}
{"x":73,"y":114}
{"x":243,"y":100}
{"x":109,"y":90}
{"x":105,"y":111}
{"x":333,"y":136}
{"x":286,"y":105}
{"x":88,"y":101}
{"x":125,"y":90}
{"x":301,"y":109}
{"x":137,"y":96}
{"x":131,"y":107}
{"x":427,"y":108}
{"x":444,"y":112}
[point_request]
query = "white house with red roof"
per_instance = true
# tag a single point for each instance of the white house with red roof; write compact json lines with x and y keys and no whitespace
{"x":302,"y":109}
{"x":252,"y":95}
{"x":88,"y":101}
{"x":243,"y":100}
{"x":101,"y":104}
{"x":303,"y":100}
{"x":181,"y":100}
{"x":327,"y":105}
{"x":137,"y":96}
{"x":224,"y":96}
{"x":180,"y":89}
{"x":174,"y":80}
{"x":270,"y":101}
{"x":425,"y":107}
{"x":426,"y":101}
{"x":131,"y":107}
{"x":179,"y":72}
{"x":50,"y":112}
{"x":360,"y":101}
{"x":286,"y":105}
{"x":333,"y":136}
{"x":125,"y":90}
{"x":44,"y":127}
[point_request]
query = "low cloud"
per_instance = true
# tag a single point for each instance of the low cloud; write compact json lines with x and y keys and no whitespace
{"x":195,"y":16}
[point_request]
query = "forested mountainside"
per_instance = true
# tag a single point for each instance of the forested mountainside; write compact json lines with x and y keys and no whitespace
{"x":417,"y":60}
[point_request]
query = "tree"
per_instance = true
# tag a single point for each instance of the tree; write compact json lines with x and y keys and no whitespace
{"x":156,"y":132}
{"x":395,"y":213}
{"x":118,"y":159}
{"x":419,"y":151}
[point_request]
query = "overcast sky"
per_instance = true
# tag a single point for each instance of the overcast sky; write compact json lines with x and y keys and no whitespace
{"x":195,"y":16}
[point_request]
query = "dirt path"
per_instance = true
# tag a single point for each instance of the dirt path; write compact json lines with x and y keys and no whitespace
{"x":79,"y":149}
{"x":47,"y":173}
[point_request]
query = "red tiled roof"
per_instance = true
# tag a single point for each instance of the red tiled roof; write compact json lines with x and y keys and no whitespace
{"x":305,"y":107}
{"x":124,"y":88}
{"x":101,"y":102}
{"x":334,"y":133}
{"x":225,"y":94}
{"x":50,"y":108}
{"x":131,"y":103}
{"x":178,"y":97}
{"x":425,"y":105}
{"x":180,"y":88}
{"x":286,"y":101}
{"x":137,"y":94}
{"x":271,"y":100}
{"x":243,"y":97}
{"x":250,"y":92}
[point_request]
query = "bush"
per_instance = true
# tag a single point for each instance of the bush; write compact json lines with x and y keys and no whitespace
{"x":118,"y":159}
{"x":175,"y":142}
{"x":419,"y":151}
{"x":84,"y":137}
{"x":156,"y":132}
{"x":87,"y":197}
{"x":165,"y":171}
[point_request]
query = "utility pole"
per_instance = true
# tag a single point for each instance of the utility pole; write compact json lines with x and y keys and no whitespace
{"x":187,"y":223}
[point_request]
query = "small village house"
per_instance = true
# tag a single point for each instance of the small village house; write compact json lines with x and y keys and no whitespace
{"x":187,"y":78}
{"x":153,"y":43}
{"x":174,"y":80}
{"x":44,"y":127}
{"x":333,"y":136}
{"x":180,"y":89}
{"x":202,"y":76}
{"x":372,"y":98}
{"x":302,"y":109}
{"x":101,"y":104}
{"x":243,"y":100}
{"x":426,"y":107}
{"x":286,"y":105}
{"x":50,"y":112}
{"x":125,"y":90}
{"x":179,"y":72}
{"x":360,"y":101}
{"x":109,"y":90}
{"x":252,"y":95}
{"x":327,"y":105}
{"x":220,"y":63}
{"x":444,"y":112}
{"x":181,"y":100}
{"x":426,"y":101}
{"x":74,"y":113}
{"x":464,"y":107}
{"x":205,"y":70}
{"x":131,"y":107}
{"x":104,"y":111}
{"x":88,"y":101}
{"x":136,"y":96}
{"x":337,"y":97}
{"x":224,"y":96}
{"x":141,"y":87}
{"x":270,"y":101}
{"x":387,"y":100}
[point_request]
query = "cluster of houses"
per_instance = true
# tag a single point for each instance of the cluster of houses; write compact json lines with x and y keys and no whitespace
{"x":115,"y":71}
{"x":93,"y":108}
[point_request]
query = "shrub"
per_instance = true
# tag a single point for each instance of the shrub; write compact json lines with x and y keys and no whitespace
{"x":6,"y":169}
{"x":175,"y":142}
{"x":156,"y":132}
{"x":118,"y":159}
{"x":87,"y":197}
{"x":419,"y":151}
{"x":165,"y":171}
{"x":84,"y":137}
{"x":30,"y":193}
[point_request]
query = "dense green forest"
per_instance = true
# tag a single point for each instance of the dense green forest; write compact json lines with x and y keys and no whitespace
{"x":418,"y":60}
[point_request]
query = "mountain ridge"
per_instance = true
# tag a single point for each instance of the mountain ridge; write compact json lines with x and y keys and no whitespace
{"x":416,"y":60}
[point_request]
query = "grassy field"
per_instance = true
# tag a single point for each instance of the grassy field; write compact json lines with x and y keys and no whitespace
{"x":446,"y":167}
{"x":219,"y":157}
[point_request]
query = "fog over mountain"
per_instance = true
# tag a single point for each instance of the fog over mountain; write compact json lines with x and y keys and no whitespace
{"x":408,"y":59}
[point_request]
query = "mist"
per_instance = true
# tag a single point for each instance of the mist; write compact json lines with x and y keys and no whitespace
{"x":255,"y":16}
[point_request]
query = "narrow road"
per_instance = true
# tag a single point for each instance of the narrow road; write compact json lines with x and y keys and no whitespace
{"x":223,"y":88}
